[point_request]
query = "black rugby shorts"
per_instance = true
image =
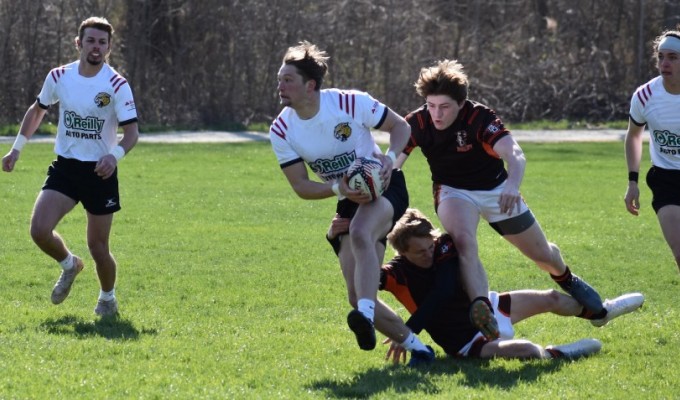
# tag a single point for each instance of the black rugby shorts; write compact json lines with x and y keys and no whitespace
{"x":665,"y":186}
{"x":77,"y":180}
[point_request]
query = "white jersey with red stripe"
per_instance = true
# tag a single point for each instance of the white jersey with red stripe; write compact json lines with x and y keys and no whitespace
{"x":653,"y":105}
{"x":334,"y":137}
{"x":90,"y":110}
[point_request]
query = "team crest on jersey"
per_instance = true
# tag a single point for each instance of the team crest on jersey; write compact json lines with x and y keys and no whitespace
{"x":462,"y":142}
{"x":103,"y":99}
{"x":342,"y":131}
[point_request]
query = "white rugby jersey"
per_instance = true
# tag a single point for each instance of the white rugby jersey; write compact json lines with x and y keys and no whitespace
{"x":653,"y":105}
{"x":90,"y":110}
{"x":334,"y":137}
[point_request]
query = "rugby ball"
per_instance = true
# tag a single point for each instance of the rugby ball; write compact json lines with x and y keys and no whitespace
{"x":364,"y":175}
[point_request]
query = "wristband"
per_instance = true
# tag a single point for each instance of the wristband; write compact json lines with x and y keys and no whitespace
{"x":392,"y":156}
{"x":19,"y":142}
{"x":336,"y":188}
{"x":633,"y":176}
{"x":118,"y":152}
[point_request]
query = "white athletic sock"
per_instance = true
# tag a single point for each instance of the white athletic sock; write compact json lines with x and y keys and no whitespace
{"x":413,"y":343}
{"x":67,"y":263}
{"x":367,"y":307}
{"x":107,"y":296}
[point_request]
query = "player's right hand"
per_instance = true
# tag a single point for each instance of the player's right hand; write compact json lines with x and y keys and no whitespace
{"x":339,"y":226}
{"x":9,"y":160}
{"x":396,"y":352}
{"x":483,"y":318}
{"x":356,"y":196}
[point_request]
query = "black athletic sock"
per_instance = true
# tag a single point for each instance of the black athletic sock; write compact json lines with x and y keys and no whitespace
{"x":563,"y":280}
{"x":585,"y":314}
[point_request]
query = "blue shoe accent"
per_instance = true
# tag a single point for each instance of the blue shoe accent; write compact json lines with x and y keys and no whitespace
{"x":421,"y":357}
{"x":585,"y":294}
{"x":363,"y":329}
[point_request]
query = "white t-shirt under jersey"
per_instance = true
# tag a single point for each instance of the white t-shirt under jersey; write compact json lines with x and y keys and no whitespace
{"x":653,"y":105}
{"x":334,"y":137}
{"x":90,"y":110}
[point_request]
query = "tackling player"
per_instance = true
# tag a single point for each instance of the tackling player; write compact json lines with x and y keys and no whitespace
{"x":467,"y":146}
{"x":425,"y":278}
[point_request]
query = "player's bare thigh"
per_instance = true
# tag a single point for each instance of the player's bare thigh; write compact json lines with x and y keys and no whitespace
{"x":459,"y":217}
{"x":669,"y":219}
{"x":50,"y":207}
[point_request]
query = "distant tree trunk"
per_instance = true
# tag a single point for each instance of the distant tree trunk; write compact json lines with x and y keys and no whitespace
{"x":671,"y":13}
{"x":541,"y":16}
{"x":641,"y":50}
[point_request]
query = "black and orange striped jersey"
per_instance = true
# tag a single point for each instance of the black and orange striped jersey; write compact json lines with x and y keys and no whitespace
{"x":434,"y":296}
{"x":462,"y":155}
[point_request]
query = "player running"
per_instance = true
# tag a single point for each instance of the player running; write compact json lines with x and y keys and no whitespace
{"x":93,"y":101}
{"x":326,"y":130}
{"x":656,"y":104}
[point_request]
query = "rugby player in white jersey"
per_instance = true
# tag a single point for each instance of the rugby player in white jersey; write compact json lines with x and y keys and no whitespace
{"x":94,"y":100}
{"x":657,"y":104}
{"x":326,"y":130}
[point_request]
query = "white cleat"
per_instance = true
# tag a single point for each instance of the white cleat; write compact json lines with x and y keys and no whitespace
{"x":582,"y":348}
{"x":617,"y":307}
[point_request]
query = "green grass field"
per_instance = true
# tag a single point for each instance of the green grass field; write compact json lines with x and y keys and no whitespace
{"x":227,"y":288}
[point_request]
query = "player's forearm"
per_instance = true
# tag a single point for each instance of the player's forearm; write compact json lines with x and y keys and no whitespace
{"x":31,"y":122}
{"x":633,"y":146}
{"x":130,"y":137}
{"x":516,"y":167}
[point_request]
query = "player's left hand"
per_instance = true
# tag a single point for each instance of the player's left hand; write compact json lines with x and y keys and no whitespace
{"x":510,"y":201}
{"x":106,"y":166}
{"x":395,"y":352}
{"x":386,"y":170}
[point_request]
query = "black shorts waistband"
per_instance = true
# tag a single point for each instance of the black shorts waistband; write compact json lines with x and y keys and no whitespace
{"x":74,"y":161}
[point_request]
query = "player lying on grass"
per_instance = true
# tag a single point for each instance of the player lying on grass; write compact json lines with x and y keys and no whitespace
{"x":424,"y":277}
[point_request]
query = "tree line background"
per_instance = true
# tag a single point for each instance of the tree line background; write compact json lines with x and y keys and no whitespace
{"x":213,"y":63}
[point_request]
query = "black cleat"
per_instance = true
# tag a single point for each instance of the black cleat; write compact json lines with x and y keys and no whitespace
{"x":363,"y":329}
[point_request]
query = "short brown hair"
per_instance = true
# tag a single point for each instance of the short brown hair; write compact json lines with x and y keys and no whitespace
{"x":412,"y":224}
{"x":98,"y":23}
{"x":309,"y":60}
{"x":444,"y":77}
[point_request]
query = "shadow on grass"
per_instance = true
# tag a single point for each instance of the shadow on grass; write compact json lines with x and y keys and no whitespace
{"x":113,"y":328}
{"x":467,"y":373}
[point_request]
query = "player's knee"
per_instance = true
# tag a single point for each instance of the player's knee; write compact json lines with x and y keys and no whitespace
{"x":360,"y":237}
{"x":465,"y":244}
{"x":39,"y":233}
{"x":98,"y":249}
{"x":552,"y":298}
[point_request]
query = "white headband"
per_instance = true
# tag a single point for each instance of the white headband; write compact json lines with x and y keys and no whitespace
{"x":670,"y":43}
